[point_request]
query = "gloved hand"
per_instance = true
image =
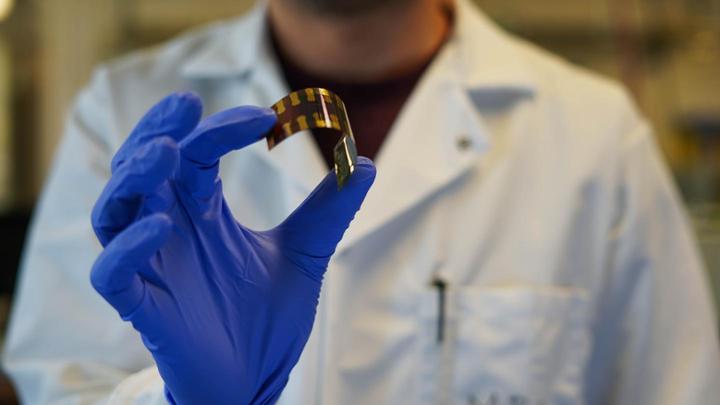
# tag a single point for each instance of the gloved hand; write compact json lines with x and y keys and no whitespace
{"x":224,"y":310}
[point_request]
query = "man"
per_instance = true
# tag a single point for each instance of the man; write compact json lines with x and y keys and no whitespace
{"x":522,"y":243}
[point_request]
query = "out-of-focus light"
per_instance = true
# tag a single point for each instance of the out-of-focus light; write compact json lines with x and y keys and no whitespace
{"x":6,"y":7}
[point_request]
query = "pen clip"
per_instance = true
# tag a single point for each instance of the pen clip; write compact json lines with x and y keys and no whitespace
{"x":441,"y":285}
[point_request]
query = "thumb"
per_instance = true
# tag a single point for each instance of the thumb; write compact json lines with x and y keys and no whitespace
{"x":317,"y":225}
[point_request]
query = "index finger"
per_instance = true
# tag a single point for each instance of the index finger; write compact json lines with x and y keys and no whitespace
{"x":214,"y":137}
{"x":225,"y":131}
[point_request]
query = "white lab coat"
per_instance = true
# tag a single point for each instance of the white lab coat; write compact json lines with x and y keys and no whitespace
{"x":533,"y":188}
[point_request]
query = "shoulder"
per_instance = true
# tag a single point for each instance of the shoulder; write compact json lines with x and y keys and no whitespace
{"x":124,"y":88}
{"x":580,"y":96}
{"x":585,"y":120}
{"x":169,"y":59}
{"x":585,"y":113}
{"x":566,"y":99}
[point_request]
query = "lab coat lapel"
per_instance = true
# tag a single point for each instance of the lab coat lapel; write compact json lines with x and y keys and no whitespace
{"x":437,"y":137}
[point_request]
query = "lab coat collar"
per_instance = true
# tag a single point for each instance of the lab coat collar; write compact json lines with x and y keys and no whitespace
{"x":487,"y":56}
{"x":437,"y":138}
{"x":234,"y":48}
{"x":489,"y":59}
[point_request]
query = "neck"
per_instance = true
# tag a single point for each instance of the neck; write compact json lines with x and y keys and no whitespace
{"x":367,"y":47}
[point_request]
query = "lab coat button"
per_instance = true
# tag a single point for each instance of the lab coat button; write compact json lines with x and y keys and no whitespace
{"x":464,"y":142}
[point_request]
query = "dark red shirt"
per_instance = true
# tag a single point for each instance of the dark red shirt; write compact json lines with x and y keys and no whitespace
{"x":372,"y":106}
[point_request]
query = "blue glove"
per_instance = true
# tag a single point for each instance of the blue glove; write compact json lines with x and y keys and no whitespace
{"x":224,"y":310}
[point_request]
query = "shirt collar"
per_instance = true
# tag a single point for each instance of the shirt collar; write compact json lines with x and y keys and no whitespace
{"x":487,"y":58}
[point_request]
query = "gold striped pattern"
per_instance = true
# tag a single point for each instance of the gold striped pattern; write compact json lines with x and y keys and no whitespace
{"x":294,"y":98}
{"x":316,"y":108}
{"x":302,"y":122}
{"x":310,"y":94}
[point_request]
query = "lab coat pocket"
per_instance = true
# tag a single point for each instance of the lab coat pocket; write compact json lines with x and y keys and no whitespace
{"x":519,"y":345}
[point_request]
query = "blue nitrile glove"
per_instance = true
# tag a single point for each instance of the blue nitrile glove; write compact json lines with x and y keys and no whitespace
{"x":224,"y":310}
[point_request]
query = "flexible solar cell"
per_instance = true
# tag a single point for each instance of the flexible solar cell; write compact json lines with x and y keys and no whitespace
{"x":316,"y":108}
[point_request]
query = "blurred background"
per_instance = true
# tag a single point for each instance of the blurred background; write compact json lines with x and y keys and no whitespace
{"x":667,"y":52}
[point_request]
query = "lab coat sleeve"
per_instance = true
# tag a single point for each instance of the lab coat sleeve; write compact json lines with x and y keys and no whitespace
{"x":660,"y":305}
{"x":64,"y":343}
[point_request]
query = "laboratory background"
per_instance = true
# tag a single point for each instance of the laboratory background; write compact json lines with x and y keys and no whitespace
{"x":666,"y":52}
